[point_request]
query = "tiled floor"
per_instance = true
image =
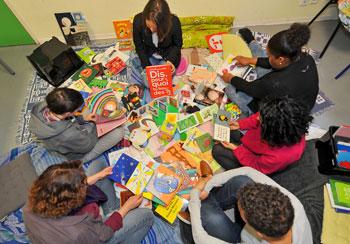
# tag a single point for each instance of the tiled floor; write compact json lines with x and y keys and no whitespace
{"x":336,"y":58}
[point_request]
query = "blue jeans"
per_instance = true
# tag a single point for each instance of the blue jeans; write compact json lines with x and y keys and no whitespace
{"x":241,"y":98}
{"x":136,"y":225}
{"x":215,"y":222}
{"x":106,"y":185}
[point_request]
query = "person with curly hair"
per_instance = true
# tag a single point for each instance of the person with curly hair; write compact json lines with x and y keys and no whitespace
{"x":285,"y":71}
{"x":274,"y":138}
{"x":55,"y":124}
{"x":264,"y":211}
{"x":63,"y":207}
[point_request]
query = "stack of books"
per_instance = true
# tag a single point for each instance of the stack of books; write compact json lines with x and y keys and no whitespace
{"x":339,"y":195}
{"x":342,"y":141}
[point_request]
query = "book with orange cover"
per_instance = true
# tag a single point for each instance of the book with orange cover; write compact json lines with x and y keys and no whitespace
{"x":123,"y":31}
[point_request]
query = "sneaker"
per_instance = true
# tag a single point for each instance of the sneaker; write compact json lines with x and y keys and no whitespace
{"x":246,"y":35}
{"x":185,"y":217}
{"x":205,"y":169}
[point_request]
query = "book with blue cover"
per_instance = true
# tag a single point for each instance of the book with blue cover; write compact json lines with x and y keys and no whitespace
{"x":123,"y":169}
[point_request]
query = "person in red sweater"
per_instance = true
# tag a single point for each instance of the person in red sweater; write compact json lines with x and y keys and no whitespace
{"x":274,"y":138}
{"x":63,"y":207}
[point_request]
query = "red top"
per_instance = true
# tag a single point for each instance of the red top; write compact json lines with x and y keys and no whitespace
{"x":115,"y":221}
{"x":255,"y":153}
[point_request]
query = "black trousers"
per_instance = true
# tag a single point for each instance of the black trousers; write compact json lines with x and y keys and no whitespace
{"x":225,"y":156}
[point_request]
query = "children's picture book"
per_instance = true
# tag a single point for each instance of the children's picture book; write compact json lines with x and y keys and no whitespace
{"x":98,"y":83}
{"x":169,"y":213}
{"x":133,"y":97}
{"x":331,"y":198}
{"x":190,"y":145}
{"x":141,"y":131}
{"x":115,"y":65}
{"x":234,"y":45}
{"x":215,"y":60}
{"x":202,"y":76}
{"x":230,"y":65}
{"x":159,"y":78}
{"x":74,"y":28}
{"x":168,"y":129}
{"x":205,"y":142}
{"x":340,"y":192}
{"x":233,"y":109}
{"x":80,"y":85}
{"x":123,"y":169}
{"x":104,"y":128}
{"x":176,"y":153}
{"x":343,"y":159}
{"x":139,"y":178}
{"x":123,"y":29}
{"x":222,"y":126}
{"x":108,"y":55}
{"x":164,"y":184}
{"x":86,"y":54}
{"x":208,"y":96}
{"x":186,"y":123}
{"x":100,"y":69}
{"x":86,"y":73}
{"x":215,"y":42}
{"x":105,"y":106}
{"x":192,"y":67}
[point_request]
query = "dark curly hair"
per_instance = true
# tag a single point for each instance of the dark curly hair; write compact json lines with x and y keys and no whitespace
{"x":63,"y":100}
{"x":266,"y":209}
{"x":159,"y":12}
{"x":58,"y":190}
{"x":288,"y":43}
{"x":283,"y":120}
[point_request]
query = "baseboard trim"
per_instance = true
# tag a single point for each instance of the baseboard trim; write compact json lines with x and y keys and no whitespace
{"x":236,"y":24}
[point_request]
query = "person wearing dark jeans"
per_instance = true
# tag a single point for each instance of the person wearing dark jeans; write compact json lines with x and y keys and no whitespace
{"x":213,"y":210}
{"x":274,"y":138}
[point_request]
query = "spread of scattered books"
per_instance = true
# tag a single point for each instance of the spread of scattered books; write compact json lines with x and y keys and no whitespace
{"x":168,"y":136}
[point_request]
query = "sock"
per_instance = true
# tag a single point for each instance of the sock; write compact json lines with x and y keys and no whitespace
{"x":246,"y":34}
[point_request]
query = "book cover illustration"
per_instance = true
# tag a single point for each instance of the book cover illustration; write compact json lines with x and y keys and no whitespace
{"x":233,"y":109}
{"x":115,"y":66}
{"x":73,"y":27}
{"x":235,"y":45}
{"x":86,"y":54}
{"x":176,"y":153}
{"x":208,"y":96}
{"x":341,"y":192}
{"x":141,"y":131}
{"x":204,"y":142}
{"x":80,"y":86}
{"x":169,"y":213}
{"x":215,"y":60}
{"x":190,"y":144}
{"x":168,"y":128}
{"x":331,"y":198}
{"x":139,"y":178}
{"x":108,"y":55}
{"x":164,"y":184}
{"x":133,"y":97}
{"x":105,"y":106}
{"x":123,"y":31}
{"x":159,"y":78}
{"x":186,"y":123}
{"x":104,"y":128}
{"x":230,"y":65}
{"x":98,"y":83}
{"x":123,"y":169}
{"x":215,"y":42}
{"x":86,"y":73}
{"x":222,"y":126}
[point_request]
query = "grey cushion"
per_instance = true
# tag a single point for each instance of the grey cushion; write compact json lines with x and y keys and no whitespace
{"x":15,"y":179}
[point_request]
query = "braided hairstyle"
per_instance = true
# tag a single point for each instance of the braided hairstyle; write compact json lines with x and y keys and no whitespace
{"x":288,"y":43}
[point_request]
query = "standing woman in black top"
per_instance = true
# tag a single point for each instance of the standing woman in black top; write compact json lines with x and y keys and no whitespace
{"x":294,"y":73}
{"x":157,"y":36}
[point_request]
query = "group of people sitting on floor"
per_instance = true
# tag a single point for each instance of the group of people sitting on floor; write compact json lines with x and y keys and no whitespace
{"x":64,"y":203}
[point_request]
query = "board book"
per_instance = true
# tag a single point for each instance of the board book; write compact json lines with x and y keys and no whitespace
{"x":340,"y":192}
{"x":159,"y":78}
{"x":230,"y":65}
{"x":123,"y":169}
{"x":169,"y":213}
{"x":139,"y":178}
{"x":86,"y":73}
{"x":222,"y":126}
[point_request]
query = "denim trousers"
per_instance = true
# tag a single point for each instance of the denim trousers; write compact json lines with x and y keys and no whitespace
{"x":214,"y":220}
{"x":241,"y":98}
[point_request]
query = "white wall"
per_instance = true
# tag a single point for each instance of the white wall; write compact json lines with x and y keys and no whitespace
{"x":38,"y":15}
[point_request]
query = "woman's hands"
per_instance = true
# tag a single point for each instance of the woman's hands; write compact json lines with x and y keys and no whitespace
{"x":226,"y":76}
{"x":234,"y":125}
{"x":132,"y":203}
{"x":244,"y":61}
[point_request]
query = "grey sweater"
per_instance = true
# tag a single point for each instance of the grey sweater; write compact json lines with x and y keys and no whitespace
{"x":301,"y":230}
{"x":71,"y":138}
{"x":83,"y":229}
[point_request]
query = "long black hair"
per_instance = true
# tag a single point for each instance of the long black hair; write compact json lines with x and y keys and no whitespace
{"x":283,"y":120}
{"x":288,"y":43}
{"x":159,"y":12}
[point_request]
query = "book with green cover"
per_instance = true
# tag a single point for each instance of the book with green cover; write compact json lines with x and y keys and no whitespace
{"x":341,"y":192}
{"x":86,"y":54}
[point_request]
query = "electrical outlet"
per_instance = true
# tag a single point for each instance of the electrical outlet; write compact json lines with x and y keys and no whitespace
{"x":303,"y":2}
{"x":313,"y":1}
